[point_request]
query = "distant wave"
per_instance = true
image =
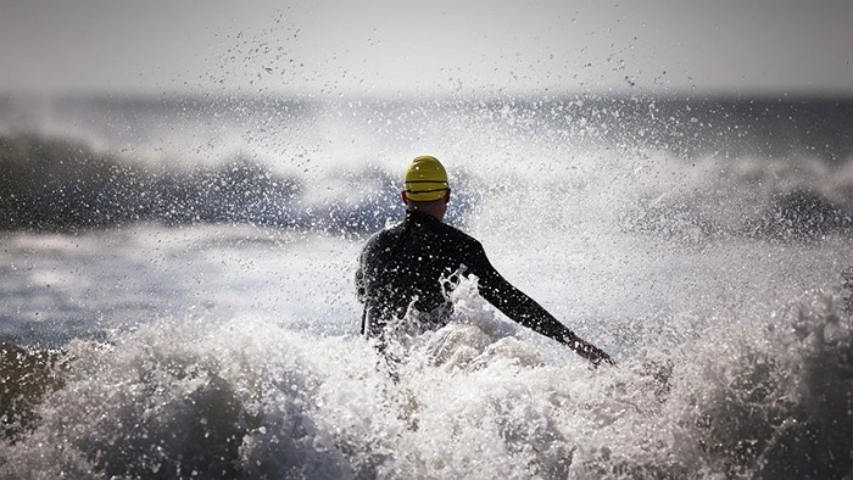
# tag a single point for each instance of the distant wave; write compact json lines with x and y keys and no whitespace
{"x":688,"y":127}
{"x":788,"y":198}
{"x":63,"y":185}
{"x":59,"y":184}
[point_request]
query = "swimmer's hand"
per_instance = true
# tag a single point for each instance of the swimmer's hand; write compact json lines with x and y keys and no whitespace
{"x":588,"y":351}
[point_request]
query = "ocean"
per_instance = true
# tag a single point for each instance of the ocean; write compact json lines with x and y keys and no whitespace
{"x":177,"y":295}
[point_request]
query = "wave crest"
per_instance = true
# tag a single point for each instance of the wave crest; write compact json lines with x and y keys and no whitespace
{"x":248,"y":399}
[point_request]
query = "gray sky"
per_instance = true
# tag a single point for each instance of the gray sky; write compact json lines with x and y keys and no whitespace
{"x":381,"y":47}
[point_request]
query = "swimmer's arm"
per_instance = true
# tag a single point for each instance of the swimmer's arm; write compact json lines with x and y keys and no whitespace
{"x":518,"y":306}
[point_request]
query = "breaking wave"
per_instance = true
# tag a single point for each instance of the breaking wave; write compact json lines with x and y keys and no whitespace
{"x":477,"y":399}
{"x":56,"y":184}
{"x":62,"y":185}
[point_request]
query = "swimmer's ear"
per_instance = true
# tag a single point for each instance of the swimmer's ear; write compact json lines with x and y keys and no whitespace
{"x":446,"y":195}
{"x":404,"y":197}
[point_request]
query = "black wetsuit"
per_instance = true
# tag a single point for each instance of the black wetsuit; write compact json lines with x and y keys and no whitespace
{"x":403,"y":264}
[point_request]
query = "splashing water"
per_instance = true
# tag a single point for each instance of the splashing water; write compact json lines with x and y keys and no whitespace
{"x":247,"y":399}
{"x":198,"y":321}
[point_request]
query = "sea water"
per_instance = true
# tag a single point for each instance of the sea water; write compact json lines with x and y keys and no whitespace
{"x":177,"y":296}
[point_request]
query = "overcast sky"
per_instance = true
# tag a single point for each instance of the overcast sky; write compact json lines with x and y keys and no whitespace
{"x":382,"y":47}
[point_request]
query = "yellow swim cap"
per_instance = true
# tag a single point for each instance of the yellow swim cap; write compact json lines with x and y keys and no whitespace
{"x":426,"y":179}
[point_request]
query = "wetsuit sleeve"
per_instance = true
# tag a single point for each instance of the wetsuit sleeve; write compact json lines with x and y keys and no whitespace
{"x":366,"y":291}
{"x":516,"y":305}
{"x":361,"y":293}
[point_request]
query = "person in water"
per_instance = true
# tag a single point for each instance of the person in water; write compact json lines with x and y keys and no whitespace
{"x":404,"y":270}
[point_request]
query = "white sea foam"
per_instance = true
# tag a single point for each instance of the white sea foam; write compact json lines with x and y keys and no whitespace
{"x":248,"y":399}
